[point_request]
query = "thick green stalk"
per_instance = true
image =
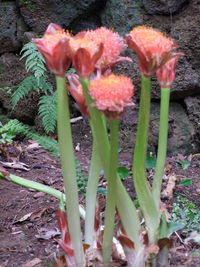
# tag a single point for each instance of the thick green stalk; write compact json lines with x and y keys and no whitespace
{"x":69,"y":171}
{"x":111,"y":191}
{"x":125,"y":206}
{"x":162,"y":144}
{"x":142,"y":187}
{"x":42,"y":188}
{"x":91,"y":194}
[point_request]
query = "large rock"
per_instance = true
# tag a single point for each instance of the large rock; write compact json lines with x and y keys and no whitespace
{"x":122,"y":15}
{"x":163,"y":7}
{"x":193,"y":111}
{"x":39,"y":13}
{"x":181,"y":130}
{"x":8,"y":27}
{"x":25,"y":110}
{"x":186,"y":33}
{"x":12,"y":72}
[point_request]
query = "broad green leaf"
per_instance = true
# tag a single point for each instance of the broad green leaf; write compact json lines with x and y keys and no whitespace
{"x":151,"y":162}
{"x":123,"y":172}
{"x":184,"y":163}
{"x":186,"y":182}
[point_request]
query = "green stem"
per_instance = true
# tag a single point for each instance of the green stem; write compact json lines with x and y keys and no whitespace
{"x":69,"y":171}
{"x":110,"y":201}
{"x":42,"y":188}
{"x":91,"y":193}
{"x":162,"y":144}
{"x":125,"y":206}
{"x":142,"y":186}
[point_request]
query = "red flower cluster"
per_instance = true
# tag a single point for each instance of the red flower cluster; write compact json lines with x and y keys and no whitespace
{"x":53,"y":47}
{"x":152,"y":47}
{"x":111,"y":94}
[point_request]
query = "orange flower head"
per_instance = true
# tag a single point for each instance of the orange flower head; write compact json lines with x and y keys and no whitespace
{"x":166,"y":73}
{"x":112,"y":42}
{"x":76,"y":91}
{"x":111,"y":94}
{"x":152,"y":47}
{"x":53,"y":46}
{"x":85,"y":53}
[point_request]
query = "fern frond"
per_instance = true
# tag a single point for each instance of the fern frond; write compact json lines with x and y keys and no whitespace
{"x":46,"y":142}
{"x":30,"y":84}
{"x":25,"y":87}
{"x":34,"y":60}
{"x":48,"y":112}
{"x":14,"y":127}
{"x":45,"y":86}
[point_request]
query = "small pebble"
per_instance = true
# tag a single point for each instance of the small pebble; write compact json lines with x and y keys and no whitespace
{"x":39,"y":194}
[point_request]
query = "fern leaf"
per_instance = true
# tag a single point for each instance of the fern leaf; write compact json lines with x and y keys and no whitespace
{"x":45,"y":86}
{"x":34,"y":60}
{"x":25,"y":87}
{"x":48,"y":112}
{"x":14,"y":127}
{"x":46,"y":142}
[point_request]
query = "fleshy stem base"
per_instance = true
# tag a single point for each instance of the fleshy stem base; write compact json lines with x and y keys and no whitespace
{"x":162,"y":144}
{"x":143,"y":190}
{"x":69,"y":171}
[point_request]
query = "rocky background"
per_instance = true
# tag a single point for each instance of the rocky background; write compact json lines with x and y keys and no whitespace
{"x":180,"y":19}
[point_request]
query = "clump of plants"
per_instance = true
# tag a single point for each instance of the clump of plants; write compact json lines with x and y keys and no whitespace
{"x":102,"y":97}
{"x":186,"y":212}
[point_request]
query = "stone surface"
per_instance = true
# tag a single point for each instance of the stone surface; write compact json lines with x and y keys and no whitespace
{"x":181,"y":130}
{"x":193,"y":111}
{"x":25,"y":111}
{"x":122,"y":15}
{"x":8,"y":28}
{"x":165,"y":7}
{"x":39,"y":13}
{"x":12,"y":70}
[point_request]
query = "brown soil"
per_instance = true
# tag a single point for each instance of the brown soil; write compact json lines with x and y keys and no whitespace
{"x":22,"y":241}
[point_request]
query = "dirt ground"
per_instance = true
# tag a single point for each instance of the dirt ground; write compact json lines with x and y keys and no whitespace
{"x":28,"y":224}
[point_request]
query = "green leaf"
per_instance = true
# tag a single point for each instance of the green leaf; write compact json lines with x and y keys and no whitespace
{"x":71,"y":70}
{"x":102,"y":190}
{"x":48,"y":112}
{"x":186,"y":182}
{"x":184,"y":163}
{"x":151,"y":162}
{"x":123,"y":172}
{"x":174,"y":227}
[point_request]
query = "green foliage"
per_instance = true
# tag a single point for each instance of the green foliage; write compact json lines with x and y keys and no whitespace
{"x":150,"y":162}
{"x":187,"y":212}
{"x":28,"y":85}
{"x":184,"y":163}
{"x":34,"y":60}
{"x":82,"y":178}
{"x":186,"y":182}
{"x":48,"y":111}
{"x":14,"y":127}
{"x":123,"y":172}
{"x":37,"y":82}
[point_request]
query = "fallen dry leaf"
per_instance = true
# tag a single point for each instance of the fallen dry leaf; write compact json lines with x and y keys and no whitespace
{"x":32,"y":263}
{"x":171,"y":183}
{"x":32,"y":215}
{"x":48,"y":234}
